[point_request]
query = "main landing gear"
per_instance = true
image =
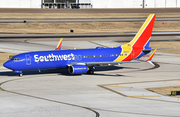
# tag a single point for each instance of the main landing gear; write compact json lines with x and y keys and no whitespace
{"x":90,"y":72}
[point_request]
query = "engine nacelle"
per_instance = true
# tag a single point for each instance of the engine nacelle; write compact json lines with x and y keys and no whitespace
{"x":78,"y":69}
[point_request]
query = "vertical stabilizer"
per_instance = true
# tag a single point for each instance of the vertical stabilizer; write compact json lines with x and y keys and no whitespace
{"x":143,"y":36}
{"x":133,"y":49}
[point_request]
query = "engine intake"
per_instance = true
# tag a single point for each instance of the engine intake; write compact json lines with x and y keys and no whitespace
{"x":78,"y":69}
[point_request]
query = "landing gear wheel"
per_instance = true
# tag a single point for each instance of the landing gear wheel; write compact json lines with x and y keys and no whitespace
{"x":21,"y":74}
{"x":90,"y":72}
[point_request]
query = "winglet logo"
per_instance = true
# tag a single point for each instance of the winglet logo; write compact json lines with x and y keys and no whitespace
{"x":52,"y":57}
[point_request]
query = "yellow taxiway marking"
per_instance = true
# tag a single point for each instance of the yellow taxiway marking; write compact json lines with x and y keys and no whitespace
{"x":116,"y":86}
{"x":102,"y":86}
{"x":178,"y":79}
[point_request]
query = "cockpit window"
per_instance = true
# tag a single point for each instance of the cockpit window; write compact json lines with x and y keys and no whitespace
{"x":15,"y":59}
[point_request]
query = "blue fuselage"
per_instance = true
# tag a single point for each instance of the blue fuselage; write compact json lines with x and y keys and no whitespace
{"x":60,"y":58}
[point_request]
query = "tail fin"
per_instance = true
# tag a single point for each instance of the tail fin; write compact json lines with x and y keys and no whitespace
{"x":140,"y":42}
{"x":142,"y":38}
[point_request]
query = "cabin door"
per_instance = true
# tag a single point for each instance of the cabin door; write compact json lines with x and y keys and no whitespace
{"x":28,"y":59}
{"x":133,"y":55}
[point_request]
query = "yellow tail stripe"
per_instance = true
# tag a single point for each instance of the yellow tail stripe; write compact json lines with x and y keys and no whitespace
{"x":127,"y":48}
{"x":142,"y":29}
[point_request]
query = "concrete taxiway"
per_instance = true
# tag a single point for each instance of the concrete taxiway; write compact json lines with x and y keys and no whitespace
{"x":157,"y":36}
{"x":113,"y":91}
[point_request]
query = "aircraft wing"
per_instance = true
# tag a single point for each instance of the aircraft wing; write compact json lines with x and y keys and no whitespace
{"x":109,"y":63}
{"x":101,"y":63}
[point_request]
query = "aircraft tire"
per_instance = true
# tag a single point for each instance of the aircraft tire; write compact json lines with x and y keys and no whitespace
{"x":90,"y":72}
{"x":20,"y":75}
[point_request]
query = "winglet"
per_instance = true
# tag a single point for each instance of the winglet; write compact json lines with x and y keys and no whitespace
{"x":59,"y":44}
{"x":150,"y":58}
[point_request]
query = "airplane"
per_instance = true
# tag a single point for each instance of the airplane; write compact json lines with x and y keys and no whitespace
{"x":83,"y":61}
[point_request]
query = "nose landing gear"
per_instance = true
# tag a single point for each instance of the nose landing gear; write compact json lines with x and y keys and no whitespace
{"x":19,"y":72}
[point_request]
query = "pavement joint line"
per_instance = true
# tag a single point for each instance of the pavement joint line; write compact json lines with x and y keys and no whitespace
{"x":98,"y":44}
{"x":14,"y":49}
{"x":145,"y":96}
{"x":140,"y":82}
{"x":169,"y":63}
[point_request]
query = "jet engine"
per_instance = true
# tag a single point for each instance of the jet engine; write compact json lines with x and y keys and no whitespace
{"x":78,"y":69}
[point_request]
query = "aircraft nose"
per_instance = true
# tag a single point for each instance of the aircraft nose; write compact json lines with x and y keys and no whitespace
{"x":8,"y":64}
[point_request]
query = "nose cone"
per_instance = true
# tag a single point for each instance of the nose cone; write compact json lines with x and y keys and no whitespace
{"x":8,"y":64}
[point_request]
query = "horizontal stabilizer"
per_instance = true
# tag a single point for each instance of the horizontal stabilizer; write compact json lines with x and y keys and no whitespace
{"x":157,"y":49}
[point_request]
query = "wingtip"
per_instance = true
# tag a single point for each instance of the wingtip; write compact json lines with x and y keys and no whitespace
{"x":59,"y":44}
{"x":151,"y":56}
